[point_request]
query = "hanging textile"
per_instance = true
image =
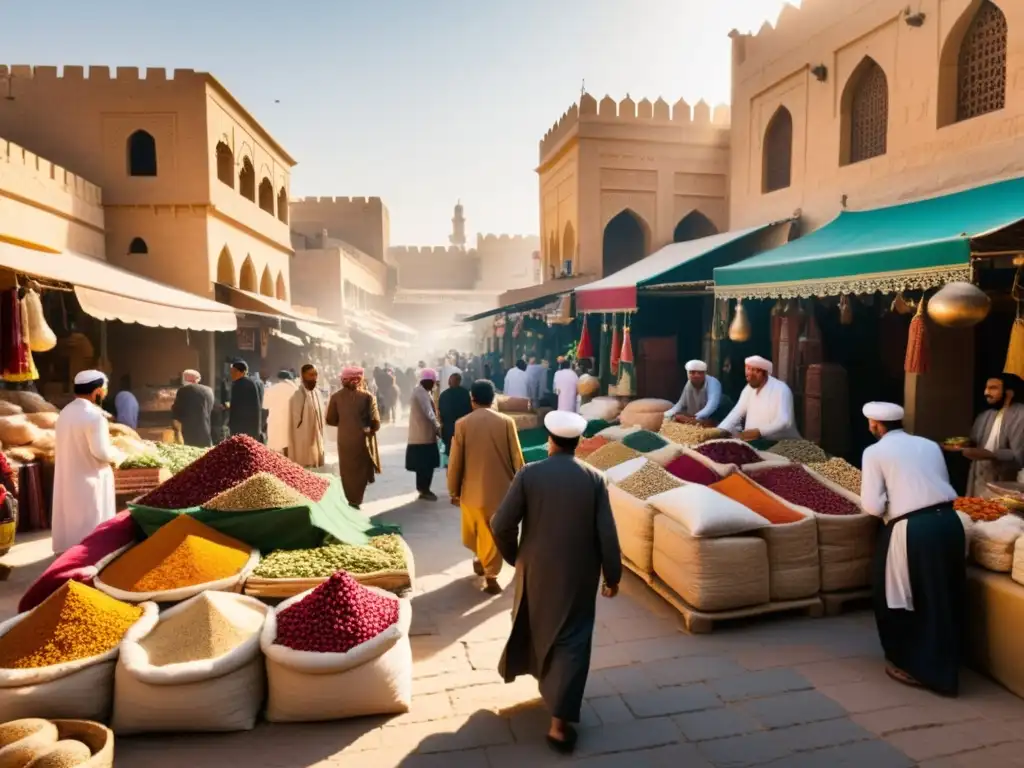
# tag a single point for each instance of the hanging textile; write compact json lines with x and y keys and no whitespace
{"x":604,"y":362}
{"x":776,"y":327}
{"x":1015,"y":349}
{"x":616,"y":344}
{"x":585,"y":349}
{"x":917,"y":360}
{"x":627,"y":370}
{"x":14,"y":353}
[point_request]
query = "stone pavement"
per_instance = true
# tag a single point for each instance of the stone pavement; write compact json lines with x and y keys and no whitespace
{"x":782,"y":692}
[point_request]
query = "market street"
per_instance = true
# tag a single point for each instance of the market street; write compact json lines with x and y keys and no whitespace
{"x":790,"y":692}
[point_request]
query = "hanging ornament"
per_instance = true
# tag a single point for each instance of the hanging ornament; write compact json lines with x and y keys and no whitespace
{"x":626,"y":367}
{"x":739,"y":329}
{"x":917,"y":359}
{"x":959,"y":305}
{"x":627,"y":347}
{"x":845,"y":310}
{"x":585,"y":348}
{"x":518,"y":327}
{"x":616,"y":348}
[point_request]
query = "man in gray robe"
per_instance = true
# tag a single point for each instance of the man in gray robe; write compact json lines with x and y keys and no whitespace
{"x":568,"y":540}
{"x":997,"y":438}
{"x":702,"y":401}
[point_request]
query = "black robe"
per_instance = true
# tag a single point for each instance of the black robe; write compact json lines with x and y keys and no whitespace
{"x":568,"y":538}
{"x":245,"y":416}
{"x":193,"y":407}
{"x":926,"y":643}
{"x":452,"y":405}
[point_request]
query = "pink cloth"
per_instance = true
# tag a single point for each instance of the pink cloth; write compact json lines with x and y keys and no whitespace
{"x":351,"y":372}
{"x":428,"y":374}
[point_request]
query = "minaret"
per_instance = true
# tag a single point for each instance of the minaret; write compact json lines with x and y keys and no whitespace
{"x":458,"y":235}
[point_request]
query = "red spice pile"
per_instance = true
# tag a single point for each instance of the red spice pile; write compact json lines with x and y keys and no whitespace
{"x":335,"y":617}
{"x":227,"y":465}
{"x":797,"y":486}
{"x":690,"y":470}
{"x":729,"y":452}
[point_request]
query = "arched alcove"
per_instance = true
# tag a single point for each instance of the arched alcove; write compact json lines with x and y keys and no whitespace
{"x":247,"y":180}
{"x":282,"y":290}
{"x":141,"y":154}
{"x":267,"y":196}
{"x":624,"y":243}
{"x":777,"y":152}
{"x":226,"y":268}
{"x":693,"y":226}
{"x":865,"y":113}
{"x":282,"y":205}
{"x":554,"y":257}
{"x":138,"y":246}
{"x":248,"y":280}
{"x":225,"y":164}
{"x":569,"y":243}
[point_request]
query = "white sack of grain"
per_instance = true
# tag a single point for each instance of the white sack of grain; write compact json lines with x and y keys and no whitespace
{"x":616,"y":432}
{"x":224,"y":693}
{"x":76,"y":690}
{"x":711,"y":574}
{"x":41,"y":337}
{"x":665,"y":455}
{"x":647,"y":413}
{"x":620,"y":472}
{"x":992,"y":543}
{"x":374,"y":678}
{"x":601,"y":409}
{"x":43,"y":419}
{"x":706,"y":513}
{"x":1017,"y":571}
{"x":634,"y":522}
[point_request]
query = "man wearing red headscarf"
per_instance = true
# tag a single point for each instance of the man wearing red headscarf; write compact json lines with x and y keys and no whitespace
{"x":353,"y":411}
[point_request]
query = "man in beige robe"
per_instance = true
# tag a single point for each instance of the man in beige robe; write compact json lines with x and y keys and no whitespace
{"x":485,"y":458}
{"x":353,"y":410}
{"x":306,"y":422}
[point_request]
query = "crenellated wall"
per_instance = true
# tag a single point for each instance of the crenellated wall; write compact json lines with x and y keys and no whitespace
{"x":362,"y":221}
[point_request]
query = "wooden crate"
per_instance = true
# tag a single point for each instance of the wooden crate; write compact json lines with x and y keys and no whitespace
{"x":139,"y":481}
{"x":837,"y":602}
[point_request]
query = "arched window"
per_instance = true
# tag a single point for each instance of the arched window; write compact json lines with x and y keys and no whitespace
{"x":554,"y":259}
{"x":138,"y":245}
{"x":865,"y":108}
{"x":141,"y":154}
{"x":569,"y":243}
{"x":267,"y":196}
{"x":248,"y":281}
{"x":267,"y":283}
{"x":226,"y":268}
{"x":225,"y":164}
{"x":247,"y":180}
{"x":282,"y":205}
{"x":777,"y":160}
{"x":981,"y":68}
{"x":693,"y":226}
{"x":625,"y":242}
{"x":282,"y":291}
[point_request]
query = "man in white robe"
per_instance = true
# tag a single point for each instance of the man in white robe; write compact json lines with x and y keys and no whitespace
{"x":516,"y":383}
{"x":566,"y":384}
{"x":306,"y":421}
{"x":276,"y":402}
{"x":83,"y":482}
{"x":920,"y":578}
{"x":765,"y":408}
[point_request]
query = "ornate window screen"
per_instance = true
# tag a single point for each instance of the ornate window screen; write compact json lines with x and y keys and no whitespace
{"x":981,"y":74}
{"x":778,"y":152}
{"x":869,"y":115}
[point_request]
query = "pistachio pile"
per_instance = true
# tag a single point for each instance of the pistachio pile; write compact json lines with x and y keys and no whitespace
{"x":800,"y":451}
{"x":611,"y":455}
{"x":384,"y":553}
{"x":688,"y":434}
{"x":840,"y":472}
{"x":650,"y":480}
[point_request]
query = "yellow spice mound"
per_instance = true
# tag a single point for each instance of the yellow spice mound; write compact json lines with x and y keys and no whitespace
{"x":75,"y":622}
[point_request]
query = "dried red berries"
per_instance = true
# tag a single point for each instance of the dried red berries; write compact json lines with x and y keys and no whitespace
{"x":227,"y":465}
{"x":793,"y":483}
{"x":689,"y":470}
{"x":729,"y":452}
{"x":335,"y":617}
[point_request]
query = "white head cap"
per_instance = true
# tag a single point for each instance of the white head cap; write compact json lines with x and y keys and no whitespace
{"x":89,"y":377}
{"x":565,"y":424}
{"x":191,"y":377}
{"x":883,"y":412}
{"x":696,"y":366}
{"x":760,"y":362}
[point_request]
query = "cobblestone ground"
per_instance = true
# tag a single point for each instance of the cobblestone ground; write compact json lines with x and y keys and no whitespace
{"x":791,"y":692}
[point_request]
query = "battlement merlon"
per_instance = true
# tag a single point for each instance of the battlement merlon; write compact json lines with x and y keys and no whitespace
{"x":793,"y":27}
{"x":46,"y":172}
{"x":97,"y":74}
{"x":644,"y":112}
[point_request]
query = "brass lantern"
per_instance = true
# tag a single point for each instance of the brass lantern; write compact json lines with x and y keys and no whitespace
{"x":739,"y":329}
{"x":959,"y":305}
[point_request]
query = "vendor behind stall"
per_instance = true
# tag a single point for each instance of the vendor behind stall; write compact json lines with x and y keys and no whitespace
{"x":766,"y":406}
{"x":702,"y":400}
{"x":997,"y":436}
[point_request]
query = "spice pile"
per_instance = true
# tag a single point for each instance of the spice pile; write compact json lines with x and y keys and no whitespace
{"x":384,"y":553}
{"x":742,"y":489}
{"x":840,"y":472}
{"x":75,"y":622}
{"x":177,"y":457}
{"x":800,"y":451}
{"x":261,"y":491}
{"x":793,"y":483}
{"x":644,"y":440}
{"x":590,"y":444}
{"x":335,"y":617}
{"x":980,"y":510}
{"x":689,"y":470}
{"x":649,"y":480}
{"x":729,"y":452}
{"x":230,"y":463}
{"x":212,"y":625}
{"x":610,"y":456}
{"x":182,"y":553}
{"x":686,"y":434}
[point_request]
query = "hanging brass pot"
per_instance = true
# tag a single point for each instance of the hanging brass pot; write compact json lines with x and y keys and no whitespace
{"x":739,"y":329}
{"x":959,"y":305}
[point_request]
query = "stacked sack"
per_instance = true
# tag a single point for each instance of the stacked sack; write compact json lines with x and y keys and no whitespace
{"x":648,"y":413}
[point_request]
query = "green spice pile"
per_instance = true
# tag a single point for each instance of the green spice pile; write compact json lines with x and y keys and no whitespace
{"x":384,"y":553}
{"x":157,"y":455}
{"x":211,"y":626}
{"x":177,"y":457}
{"x":261,"y":491}
{"x":142,"y":461}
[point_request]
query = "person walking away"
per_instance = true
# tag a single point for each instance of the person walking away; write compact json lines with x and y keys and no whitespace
{"x":83,"y":480}
{"x":536,"y":383}
{"x":276,"y":401}
{"x":126,"y":405}
{"x":920,"y":576}
{"x":245,"y":410}
{"x":353,"y":410}
{"x":568,"y":539}
{"x":449,"y":366}
{"x":565,"y":386}
{"x":193,"y":410}
{"x":765,"y":408}
{"x":306,"y":422}
{"x":485,"y":456}
{"x":997,"y":437}
{"x":421,"y":454}
{"x":516,"y":382}
{"x":702,"y":401}
{"x":388,"y":393}
{"x":454,"y":403}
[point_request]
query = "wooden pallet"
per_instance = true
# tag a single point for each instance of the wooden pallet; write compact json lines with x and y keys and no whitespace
{"x":136,"y":482}
{"x":648,"y":578}
{"x":836,"y":602}
{"x":699,"y":622}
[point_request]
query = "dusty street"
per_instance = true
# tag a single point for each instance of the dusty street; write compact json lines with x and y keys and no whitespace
{"x":788,"y":692}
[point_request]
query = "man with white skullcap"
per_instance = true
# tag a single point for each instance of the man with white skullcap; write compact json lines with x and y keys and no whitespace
{"x":192,"y":409}
{"x":83,"y":481}
{"x":920,"y":580}
{"x":702,"y":397}
{"x":568,"y":541}
{"x":765,"y":408}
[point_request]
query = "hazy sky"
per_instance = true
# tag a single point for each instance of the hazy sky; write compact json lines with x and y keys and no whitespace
{"x":418,"y":101}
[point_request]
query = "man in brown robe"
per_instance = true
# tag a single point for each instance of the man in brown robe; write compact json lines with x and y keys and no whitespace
{"x":353,"y":411}
{"x":306,"y":422}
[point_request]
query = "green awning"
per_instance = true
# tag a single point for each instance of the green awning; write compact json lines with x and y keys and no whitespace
{"x":914,"y":245}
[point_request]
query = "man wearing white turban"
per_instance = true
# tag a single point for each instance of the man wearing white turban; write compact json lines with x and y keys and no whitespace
{"x":765,"y":408}
{"x":702,"y":401}
{"x":920,"y":577}
{"x":83,"y":480}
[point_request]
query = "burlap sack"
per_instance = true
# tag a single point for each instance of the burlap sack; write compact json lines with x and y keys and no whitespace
{"x":1017,"y":572}
{"x":711,"y":574}
{"x":992,"y":544}
{"x":793,"y":565}
{"x":634,"y":521}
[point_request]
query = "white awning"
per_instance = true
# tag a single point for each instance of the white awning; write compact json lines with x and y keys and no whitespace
{"x":107,"y":292}
{"x":256,"y":302}
{"x":287,"y":337}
